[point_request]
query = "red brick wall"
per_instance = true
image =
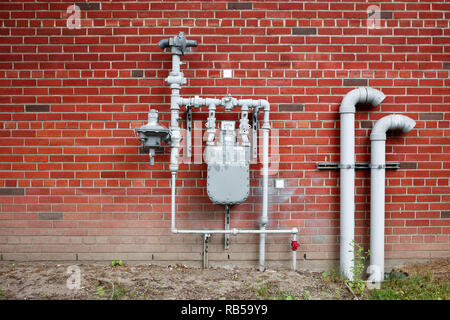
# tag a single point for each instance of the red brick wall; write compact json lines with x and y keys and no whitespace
{"x":73,"y":184}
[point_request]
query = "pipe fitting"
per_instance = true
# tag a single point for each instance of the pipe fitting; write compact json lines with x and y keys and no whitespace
{"x":363,"y":95}
{"x":175,"y":80}
{"x":263,"y":221}
{"x":391,"y":122}
{"x":178,"y":44}
{"x":229,"y":102}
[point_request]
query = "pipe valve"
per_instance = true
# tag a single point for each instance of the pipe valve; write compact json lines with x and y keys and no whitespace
{"x":152,"y":135}
{"x":229,"y":102}
{"x":178,"y":44}
{"x":294,"y":245}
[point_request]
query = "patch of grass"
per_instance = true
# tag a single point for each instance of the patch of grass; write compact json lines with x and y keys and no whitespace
{"x":417,"y":287}
{"x":281,"y":295}
{"x":337,"y":293}
{"x":118,"y":292}
{"x":332,"y":276}
{"x":261,"y":291}
{"x":112,"y":291}
{"x":307,"y":295}
{"x":101,"y":292}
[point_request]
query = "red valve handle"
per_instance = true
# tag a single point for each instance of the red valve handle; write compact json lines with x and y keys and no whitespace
{"x":294,"y":245}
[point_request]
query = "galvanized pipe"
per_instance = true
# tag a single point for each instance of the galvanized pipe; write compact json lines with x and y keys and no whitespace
{"x":176,"y":80}
{"x":294,"y":253}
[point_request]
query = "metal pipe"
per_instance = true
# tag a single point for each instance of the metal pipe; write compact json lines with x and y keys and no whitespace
{"x":377,"y":188}
{"x":294,"y":253}
{"x":265,"y":175}
{"x":362,"y":95}
{"x":173,"y":207}
{"x":235,"y":231}
{"x":176,"y":80}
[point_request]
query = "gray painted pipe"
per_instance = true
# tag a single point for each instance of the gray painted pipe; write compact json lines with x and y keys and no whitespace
{"x":377,"y":188}
{"x":362,"y":95}
{"x":176,"y":80}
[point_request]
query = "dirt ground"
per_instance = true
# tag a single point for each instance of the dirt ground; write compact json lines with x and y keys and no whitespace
{"x":102,"y":281}
{"x":440,"y":268}
{"x":41,"y":281}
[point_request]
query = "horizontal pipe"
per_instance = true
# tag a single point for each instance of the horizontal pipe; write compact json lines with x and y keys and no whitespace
{"x":235,"y":231}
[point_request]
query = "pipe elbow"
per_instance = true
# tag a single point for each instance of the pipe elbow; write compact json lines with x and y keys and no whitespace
{"x":374,"y":96}
{"x":266,"y":106}
{"x":163,"y":43}
{"x":391,"y":122}
{"x":363,"y":95}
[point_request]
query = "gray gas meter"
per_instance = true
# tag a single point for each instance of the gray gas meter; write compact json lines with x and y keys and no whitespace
{"x":228,"y":168}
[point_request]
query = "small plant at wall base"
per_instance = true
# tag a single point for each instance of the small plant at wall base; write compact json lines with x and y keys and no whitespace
{"x":359,"y":265}
{"x":116,"y":263}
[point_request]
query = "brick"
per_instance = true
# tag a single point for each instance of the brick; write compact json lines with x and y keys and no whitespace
{"x":137,"y":73}
{"x":431,"y":116}
{"x":386,"y":14}
{"x":304,"y":31}
{"x":291,"y":107}
{"x":445,"y":214}
{"x":50,"y":216}
{"x":12,"y":191}
{"x":408,"y":165}
{"x":366,"y":124}
{"x":37,"y":108}
{"x":355,"y":82}
{"x":112,"y":175}
{"x":88,"y":5}
{"x":240,"y":5}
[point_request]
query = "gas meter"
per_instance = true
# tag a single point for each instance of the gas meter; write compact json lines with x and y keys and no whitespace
{"x":228,"y":168}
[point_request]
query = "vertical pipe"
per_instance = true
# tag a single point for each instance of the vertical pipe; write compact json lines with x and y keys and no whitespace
{"x":265,"y":176}
{"x":377,"y":188}
{"x":175,"y":80}
{"x":363,"y":95}
{"x":377,"y":178}
{"x":265,"y":204}
{"x":347,"y":193}
{"x":294,"y":253}
{"x":173,"y":207}
{"x":176,"y":63}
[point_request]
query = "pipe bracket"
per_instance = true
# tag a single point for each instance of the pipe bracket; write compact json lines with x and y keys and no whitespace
{"x":377,"y":166}
{"x":346,"y":166}
{"x":356,"y":166}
